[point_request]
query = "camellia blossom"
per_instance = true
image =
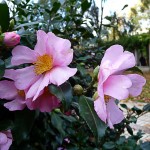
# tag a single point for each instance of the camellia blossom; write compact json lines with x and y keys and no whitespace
{"x":5,"y":140}
{"x":11,"y":39}
{"x":113,"y":84}
{"x":49,"y":64}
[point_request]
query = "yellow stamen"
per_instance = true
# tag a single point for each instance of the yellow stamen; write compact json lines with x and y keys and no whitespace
{"x":21,"y":93}
{"x":44,"y":63}
{"x":106,"y":98}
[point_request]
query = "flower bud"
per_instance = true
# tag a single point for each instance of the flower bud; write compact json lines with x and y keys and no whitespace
{"x":95,"y":96}
{"x":78,"y":89}
{"x":11,"y":24}
{"x":11,"y":39}
{"x":95,"y":72}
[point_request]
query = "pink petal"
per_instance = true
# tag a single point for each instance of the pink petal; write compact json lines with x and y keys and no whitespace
{"x":137,"y":84}
{"x":59,"y":75}
{"x":45,"y":103}
{"x":63,"y":58}
{"x":30,"y":93}
{"x":7,"y":90}
{"x":7,"y":145}
{"x":10,"y":74}
{"x":59,"y":44}
{"x":100,"y":108}
{"x":117,"y":86}
{"x":22,"y":55}
{"x":16,"y":104}
{"x":40,"y":47}
{"x":38,"y":86}
{"x":115,"y":115}
{"x":124,"y":59}
{"x":25,"y":78}
{"x":60,"y":49}
{"x":3,"y":138}
{"x":111,"y":53}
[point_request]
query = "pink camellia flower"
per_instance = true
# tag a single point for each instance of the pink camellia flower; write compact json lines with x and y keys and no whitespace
{"x":113,"y":84}
{"x":5,"y":140}
{"x":49,"y":64}
{"x":9,"y":91}
{"x":46,"y":102}
{"x":11,"y":39}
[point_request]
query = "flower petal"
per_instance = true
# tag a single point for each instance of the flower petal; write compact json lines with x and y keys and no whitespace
{"x":115,"y":115}
{"x":38,"y":86}
{"x":16,"y":104}
{"x":117,"y":86}
{"x":100,"y":108}
{"x":22,"y":55}
{"x":3,"y":138}
{"x":40,"y":46}
{"x":45,"y":103}
{"x":124,"y":59}
{"x":25,"y":77}
{"x":7,"y":145}
{"x":10,"y":74}
{"x":60,"y":49}
{"x":59,"y":75}
{"x":137,"y":84}
{"x":7,"y":90}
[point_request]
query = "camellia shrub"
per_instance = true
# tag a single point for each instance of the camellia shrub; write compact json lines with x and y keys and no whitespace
{"x":49,"y":101}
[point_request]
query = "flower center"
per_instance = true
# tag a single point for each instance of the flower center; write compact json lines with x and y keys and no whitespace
{"x":21,"y":93}
{"x":43,"y":64}
{"x":106,"y":98}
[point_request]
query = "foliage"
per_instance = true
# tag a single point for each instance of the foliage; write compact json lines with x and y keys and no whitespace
{"x":75,"y":124}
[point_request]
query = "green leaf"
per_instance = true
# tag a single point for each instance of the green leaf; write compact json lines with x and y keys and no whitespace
{"x":2,"y":68}
{"x":57,"y":123}
{"x":109,"y":145}
{"x":146,"y":107}
{"x":129,"y":129}
{"x":124,"y":106}
{"x":124,"y":6}
{"x":22,"y":124}
{"x":56,"y":7}
{"x":85,"y":5}
{"x":88,"y":113}
{"x":6,"y":125}
{"x":63,"y":92}
{"x":4,"y":16}
{"x":135,"y":69}
{"x":82,"y":70}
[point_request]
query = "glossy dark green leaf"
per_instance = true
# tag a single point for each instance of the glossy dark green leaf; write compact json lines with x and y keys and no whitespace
{"x":129,"y":129}
{"x":4,"y":16}
{"x":22,"y":124}
{"x":63,"y":92}
{"x":85,"y":5}
{"x":88,"y":113}
{"x":6,"y":125}
{"x":2,"y":68}
{"x":57,"y":123}
{"x":146,"y":107}
{"x":124,"y":106}
{"x":109,"y":145}
{"x":82,"y":70}
{"x":56,"y":7}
